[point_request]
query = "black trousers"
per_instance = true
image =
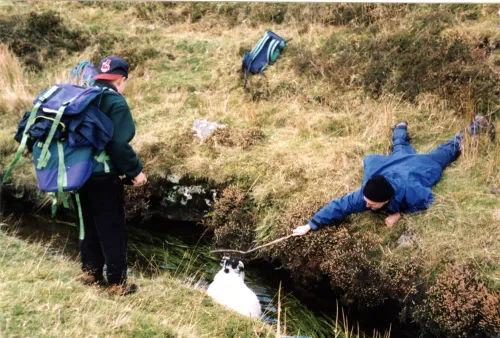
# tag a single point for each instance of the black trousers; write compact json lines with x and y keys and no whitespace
{"x":105,"y":241}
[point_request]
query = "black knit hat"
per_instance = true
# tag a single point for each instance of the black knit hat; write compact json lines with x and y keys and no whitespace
{"x":378,"y":189}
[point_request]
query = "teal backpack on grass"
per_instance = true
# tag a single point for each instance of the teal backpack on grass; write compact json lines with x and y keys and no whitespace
{"x":265,"y":53}
{"x":67,"y":134}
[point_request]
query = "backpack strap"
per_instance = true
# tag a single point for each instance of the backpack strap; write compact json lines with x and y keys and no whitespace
{"x":55,"y":196}
{"x":246,"y":79}
{"x":258,"y":47}
{"x":81,"y":235}
{"x":103,"y":158}
{"x":104,"y":90}
{"x":45,"y":154}
{"x":62,"y":177}
{"x":41,"y":99}
{"x":61,"y":182}
{"x":55,"y":201}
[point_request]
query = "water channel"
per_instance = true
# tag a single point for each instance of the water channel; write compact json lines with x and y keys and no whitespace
{"x":182,"y":249}
{"x":183,"y":252}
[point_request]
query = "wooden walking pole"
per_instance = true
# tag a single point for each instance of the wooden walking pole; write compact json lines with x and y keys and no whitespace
{"x":254,"y":249}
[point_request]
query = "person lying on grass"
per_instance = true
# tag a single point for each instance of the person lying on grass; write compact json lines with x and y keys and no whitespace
{"x":399,"y":183}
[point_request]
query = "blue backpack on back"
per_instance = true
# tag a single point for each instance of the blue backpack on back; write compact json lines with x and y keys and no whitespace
{"x":266,"y":52}
{"x":67,"y":134}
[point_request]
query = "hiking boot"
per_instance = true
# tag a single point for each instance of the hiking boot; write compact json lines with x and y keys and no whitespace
{"x":401,"y":123}
{"x":122,"y":289}
{"x":89,"y":279}
{"x":481,"y":125}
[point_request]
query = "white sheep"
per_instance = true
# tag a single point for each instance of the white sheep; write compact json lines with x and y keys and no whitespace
{"x":229,"y":289}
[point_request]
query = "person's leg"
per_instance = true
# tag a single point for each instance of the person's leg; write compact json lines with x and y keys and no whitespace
{"x":401,"y":140}
{"x":90,"y":247}
{"x":447,"y":152}
{"x":109,"y":217}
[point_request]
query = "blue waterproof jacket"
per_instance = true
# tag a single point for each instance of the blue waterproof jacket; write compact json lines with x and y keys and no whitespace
{"x":411,"y":176}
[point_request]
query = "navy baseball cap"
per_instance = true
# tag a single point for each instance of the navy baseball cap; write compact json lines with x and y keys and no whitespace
{"x":112,"y":68}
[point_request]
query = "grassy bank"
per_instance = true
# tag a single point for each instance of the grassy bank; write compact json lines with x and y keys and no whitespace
{"x":296,"y":139}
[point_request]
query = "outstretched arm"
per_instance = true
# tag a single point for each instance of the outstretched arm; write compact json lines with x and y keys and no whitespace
{"x":338,"y":208}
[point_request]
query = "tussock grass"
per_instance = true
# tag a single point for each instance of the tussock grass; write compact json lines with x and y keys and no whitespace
{"x":14,"y":92}
{"x":15,"y":98}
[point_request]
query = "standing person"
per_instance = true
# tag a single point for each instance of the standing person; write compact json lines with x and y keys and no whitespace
{"x":399,"y":183}
{"x":102,"y":196}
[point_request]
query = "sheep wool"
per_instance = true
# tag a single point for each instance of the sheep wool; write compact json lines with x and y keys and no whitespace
{"x":229,"y":289}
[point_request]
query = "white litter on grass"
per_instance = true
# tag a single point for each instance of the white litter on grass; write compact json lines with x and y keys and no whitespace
{"x":203,"y":129}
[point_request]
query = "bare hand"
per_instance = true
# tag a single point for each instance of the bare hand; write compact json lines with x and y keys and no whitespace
{"x":392,"y":219}
{"x":140,"y":180}
{"x":301,"y":230}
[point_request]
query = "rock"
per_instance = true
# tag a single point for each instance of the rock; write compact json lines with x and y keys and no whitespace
{"x":495,"y":190}
{"x":174,"y":197}
{"x":174,"y":178}
{"x":408,"y":238}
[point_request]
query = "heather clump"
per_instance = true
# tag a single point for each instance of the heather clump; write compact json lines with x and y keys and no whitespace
{"x":459,"y":304}
{"x":352,"y":266}
{"x":405,"y":284}
{"x":348,"y":258}
{"x":423,"y":56}
{"x":230,"y":137}
{"x":39,"y":37}
{"x":232,"y":219}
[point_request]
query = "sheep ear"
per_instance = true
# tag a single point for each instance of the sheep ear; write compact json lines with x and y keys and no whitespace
{"x":223,"y":261}
{"x":241,"y":266}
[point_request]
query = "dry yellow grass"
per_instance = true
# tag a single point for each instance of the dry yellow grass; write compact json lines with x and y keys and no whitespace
{"x":13,"y":88}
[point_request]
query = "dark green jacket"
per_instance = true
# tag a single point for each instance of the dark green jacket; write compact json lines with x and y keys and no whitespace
{"x":124,"y":160}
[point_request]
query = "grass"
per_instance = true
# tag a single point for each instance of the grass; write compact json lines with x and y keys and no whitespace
{"x":317,"y":119}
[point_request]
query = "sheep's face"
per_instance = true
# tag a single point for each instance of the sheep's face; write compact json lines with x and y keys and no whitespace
{"x":232,"y":266}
